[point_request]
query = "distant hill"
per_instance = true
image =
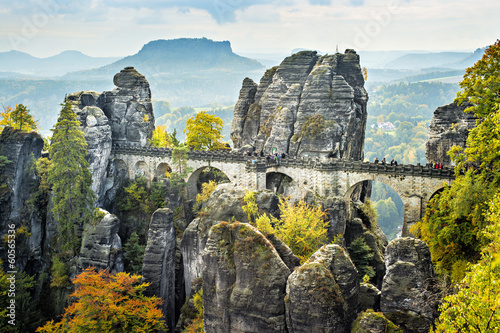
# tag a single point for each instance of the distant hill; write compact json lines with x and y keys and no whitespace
{"x":177,"y":56}
{"x":425,"y":60}
{"x":185,"y":71}
{"x":58,"y":65}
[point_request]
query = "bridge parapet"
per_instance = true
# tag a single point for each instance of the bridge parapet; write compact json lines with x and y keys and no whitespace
{"x":331,"y":164}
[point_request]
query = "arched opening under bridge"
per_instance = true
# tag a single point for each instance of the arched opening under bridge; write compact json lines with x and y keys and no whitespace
{"x":281,"y":183}
{"x":204,"y":175}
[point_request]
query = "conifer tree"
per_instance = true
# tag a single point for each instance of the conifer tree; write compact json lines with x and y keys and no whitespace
{"x":71,"y":179}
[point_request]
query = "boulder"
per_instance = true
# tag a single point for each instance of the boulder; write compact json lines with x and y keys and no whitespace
{"x":244,"y":281}
{"x":309,"y":105}
{"x":408,"y":290}
{"x":101,"y":244}
{"x":450,"y":126}
{"x":374,"y":322}
{"x":322,"y":295}
{"x":159,"y":262}
{"x":128,"y":108}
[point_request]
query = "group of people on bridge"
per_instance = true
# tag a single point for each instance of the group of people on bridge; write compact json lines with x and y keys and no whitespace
{"x":384,"y":161}
{"x":434,"y":165}
{"x":270,"y":158}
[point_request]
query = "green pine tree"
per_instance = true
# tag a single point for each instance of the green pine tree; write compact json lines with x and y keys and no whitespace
{"x":71,"y":180}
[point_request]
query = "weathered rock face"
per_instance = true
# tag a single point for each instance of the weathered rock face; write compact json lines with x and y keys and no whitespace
{"x":15,"y":189}
{"x":307,"y":106}
{"x":128,"y":107}
{"x":159,"y":261}
{"x":244,"y":281}
{"x":101,"y":245}
{"x":408,"y":288}
{"x":360,"y":225}
{"x":374,"y":322}
{"x":449,"y":126}
{"x":224,"y":204}
{"x":369,"y":297}
{"x":322,"y":295}
{"x":97,"y":131}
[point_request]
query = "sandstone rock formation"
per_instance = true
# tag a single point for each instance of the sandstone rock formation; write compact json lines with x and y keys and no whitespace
{"x":359,"y":224}
{"x":159,"y":262}
{"x":97,"y":131}
{"x":374,"y":322}
{"x":408,"y":289}
{"x":449,"y":126}
{"x":124,"y":114}
{"x":322,"y":295}
{"x":310,"y":105}
{"x":16,"y":188}
{"x":101,"y":245}
{"x":369,"y":297}
{"x":244,"y":281}
{"x":223,"y":205}
{"x":128,"y":107}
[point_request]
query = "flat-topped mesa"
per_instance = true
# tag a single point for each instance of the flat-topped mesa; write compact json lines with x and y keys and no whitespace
{"x":128,"y":107}
{"x":309,"y":105}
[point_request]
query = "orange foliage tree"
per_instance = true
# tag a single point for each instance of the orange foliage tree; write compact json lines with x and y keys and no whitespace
{"x":107,"y":302}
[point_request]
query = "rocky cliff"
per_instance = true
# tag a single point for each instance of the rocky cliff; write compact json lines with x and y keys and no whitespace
{"x":124,"y":114}
{"x":128,"y":107}
{"x":17,"y":183}
{"x":408,"y":292}
{"x":101,"y":245}
{"x":309,"y":105}
{"x":449,"y":126}
{"x":322,"y":295}
{"x":224,"y":205}
{"x":244,"y":281}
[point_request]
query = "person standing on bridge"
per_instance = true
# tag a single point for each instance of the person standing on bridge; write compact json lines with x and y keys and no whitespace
{"x":376,"y":160}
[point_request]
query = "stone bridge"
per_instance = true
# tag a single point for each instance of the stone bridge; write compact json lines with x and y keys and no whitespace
{"x":415,"y":184}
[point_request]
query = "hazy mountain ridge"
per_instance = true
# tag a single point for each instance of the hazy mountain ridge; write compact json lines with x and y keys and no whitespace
{"x":57,"y":65}
{"x":448,"y":60}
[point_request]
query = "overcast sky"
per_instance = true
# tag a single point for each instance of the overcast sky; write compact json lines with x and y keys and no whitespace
{"x":121,"y":27}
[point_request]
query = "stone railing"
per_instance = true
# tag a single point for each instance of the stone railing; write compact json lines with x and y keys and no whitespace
{"x":324,"y":164}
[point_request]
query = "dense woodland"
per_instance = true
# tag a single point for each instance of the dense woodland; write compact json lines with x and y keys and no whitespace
{"x":461,"y":225}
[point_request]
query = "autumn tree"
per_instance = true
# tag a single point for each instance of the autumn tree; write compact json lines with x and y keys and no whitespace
{"x":475,"y":307}
{"x":71,"y":180}
{"x":203,"y":132}
{"x":18,"y":118}
{"x":106,"y":302}
{"x":161,"y":138}
{"x":302,"y":227}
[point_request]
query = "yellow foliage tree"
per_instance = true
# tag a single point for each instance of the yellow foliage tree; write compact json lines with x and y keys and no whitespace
{"x":18,"y":118}
{"x":161,"y":138}
{"x":302,"y":227}
{"x":109,"y":303}
{"x":203,"y":132}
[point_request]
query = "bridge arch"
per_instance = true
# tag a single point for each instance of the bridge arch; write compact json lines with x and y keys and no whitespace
{"x":141,"y":169}
{"x":202,"y":175}
{"x":392,"y":224}
{"x":161,"y":170}
{"x":281,"y":183}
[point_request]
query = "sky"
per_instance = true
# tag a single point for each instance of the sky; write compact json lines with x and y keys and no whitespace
{"x":118,"y":28}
